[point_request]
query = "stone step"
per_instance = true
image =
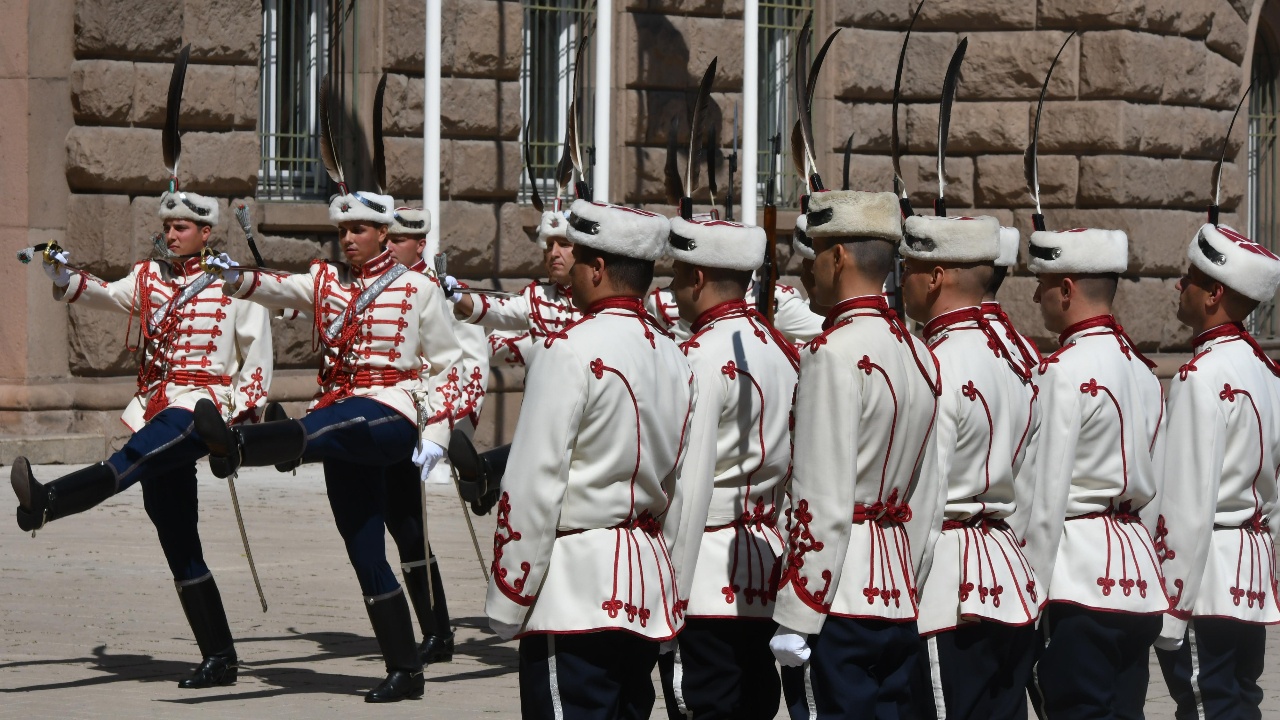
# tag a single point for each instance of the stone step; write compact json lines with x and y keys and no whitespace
{"x":53,"y":449}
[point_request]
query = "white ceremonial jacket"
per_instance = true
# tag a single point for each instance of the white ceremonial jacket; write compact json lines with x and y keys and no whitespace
{"x":211,"y":347}
{"x":1216,"y":524}
{"x":588,"y":517}
{"x":978,"y":462}
{"x":1101,"y":410}
{"x":864,"y":410}
{"x":791,"y":315}
{"x":542,"y":308}
{"x":400,"y":351}
{"x":739,"y":461}
{"x":510,"y":348}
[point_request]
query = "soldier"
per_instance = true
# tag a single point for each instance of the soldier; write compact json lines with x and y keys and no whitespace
{"x":1214,"y":529}
{"x":734,"y":478}
{"x":864,"y":408}
{"x":382,"y":326}
{"x":792,"y":316}
{"x":581,"y":570}
{"x":802,"y":246}
{"x":1100,"y":413}
{"x":407,"y":240}
{"x":542,"y":309}
{"x":1020,"y":348}
{"x":196,"y":344}
{"x":978,"y":596}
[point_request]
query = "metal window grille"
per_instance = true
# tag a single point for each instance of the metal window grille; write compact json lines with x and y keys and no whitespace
{"x":1264,"y":166}
{"x":780,"y":21}
{"x":552,"y":31}
{"x":295,"y":52}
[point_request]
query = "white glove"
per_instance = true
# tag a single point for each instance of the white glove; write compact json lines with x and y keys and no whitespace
{"x":790,"y":647}
{"x":58,"y":271}
{"x":425,"y":456}
{"x":667,"y":647}
{"x":1172,"y":634}
{"x":503,"y":630}
{"x":224,"y":267}
{"x":451,"y":286}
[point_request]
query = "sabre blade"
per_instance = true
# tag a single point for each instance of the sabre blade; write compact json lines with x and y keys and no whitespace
{"x":950,"y":85}
{"x":895,"y":142}
{"x":1031,"y":160}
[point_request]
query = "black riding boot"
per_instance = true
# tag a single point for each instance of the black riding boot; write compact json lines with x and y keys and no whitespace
{"x":248,"y":445}
{"x":68,"y":495}
{"x":274,"y":412}
{"x":437,"y":635}
{"x":202,"y":603}
{"x":393,"y":627}
{"x":479,"y":474}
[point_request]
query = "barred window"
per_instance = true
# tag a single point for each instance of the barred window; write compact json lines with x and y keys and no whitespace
{"x":552,"y":32}
{"x":295,"y":41}
{"x":780,"y":21}
{"x":1263,"y":164}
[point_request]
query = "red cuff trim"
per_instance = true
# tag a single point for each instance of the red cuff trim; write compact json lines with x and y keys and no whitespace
{"x":1180,"y":614}
{"x":84,"y":282}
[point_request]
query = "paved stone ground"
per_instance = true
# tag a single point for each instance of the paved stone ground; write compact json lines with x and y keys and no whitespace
{"x":90,"y":626}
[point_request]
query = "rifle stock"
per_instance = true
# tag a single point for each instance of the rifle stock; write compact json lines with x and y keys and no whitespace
{"x":769,"y":278}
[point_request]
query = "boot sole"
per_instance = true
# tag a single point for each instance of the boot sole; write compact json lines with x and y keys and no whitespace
{"x":20,"y":478}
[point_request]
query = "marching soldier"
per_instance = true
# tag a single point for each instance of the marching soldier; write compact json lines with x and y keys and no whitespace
{"x":197,"y":344}
{"x":582,"y":569}
{"x":390,"y":361}
{"x":1020,"y":348}
{"x":734,"y":478}
{"x":407,"y":240}
{"x":978,"y":596}
{"x":1095,"y":561}
{"x":792,"y":316}
{"x":1215,"y":530}
{"x":864,"y":409}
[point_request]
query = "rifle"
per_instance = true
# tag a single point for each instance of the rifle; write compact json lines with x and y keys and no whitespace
{"x":769,"y":271}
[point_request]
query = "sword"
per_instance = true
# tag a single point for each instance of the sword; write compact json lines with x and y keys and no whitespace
{"x":470,"y":527}
{"x":244,"y":538}
{"x":242,"y":214}
{"x":426,"y":544}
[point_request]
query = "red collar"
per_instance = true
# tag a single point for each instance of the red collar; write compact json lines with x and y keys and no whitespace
{"x":862,"y":302}
{"x":1236,"y":330}
{"x":379,"y":264}
{"x":618,"y":302}
{"x":189,"y":266}
{"x":1108,"y":323}
{"x":732,"y":308}
{"x":419,"y":267}
{"x":954,"y":317}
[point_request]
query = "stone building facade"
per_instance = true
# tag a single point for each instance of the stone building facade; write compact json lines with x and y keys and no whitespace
{"x":1136,"y":115}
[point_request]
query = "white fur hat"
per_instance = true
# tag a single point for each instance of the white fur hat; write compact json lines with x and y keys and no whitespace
{"x":1084,"y":250}
{"x":361,"y":205}
{"x":189,"y":206}
{"x":1235,"y":261}
{"x":951,"y":239}
{"x":553,"y":224}
{"x":850,"y":213}
{"x":411,"y":222}
{"x":800,"y":242}
{"x":717,"y":243}
{"x":1010,"y":239}
{"x":625,"y":231}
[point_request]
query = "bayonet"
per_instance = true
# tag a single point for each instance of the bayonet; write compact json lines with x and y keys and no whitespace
{"x":1222,"y":158}
{"x":950,"y":84}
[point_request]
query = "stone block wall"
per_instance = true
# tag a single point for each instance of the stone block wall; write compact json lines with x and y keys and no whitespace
{"x":1136,"y":113}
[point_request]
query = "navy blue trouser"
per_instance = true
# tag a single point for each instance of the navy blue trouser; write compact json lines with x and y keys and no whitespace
{"x":357,"y":439}
{"x":162,"y":456}
{"x":859,"y":669}
{"x":977,"y":671}
{"x":601,"y":675}
{"x":722,"y":669}
{"x":1214,"y":675}
{"x":1094,"y":664}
